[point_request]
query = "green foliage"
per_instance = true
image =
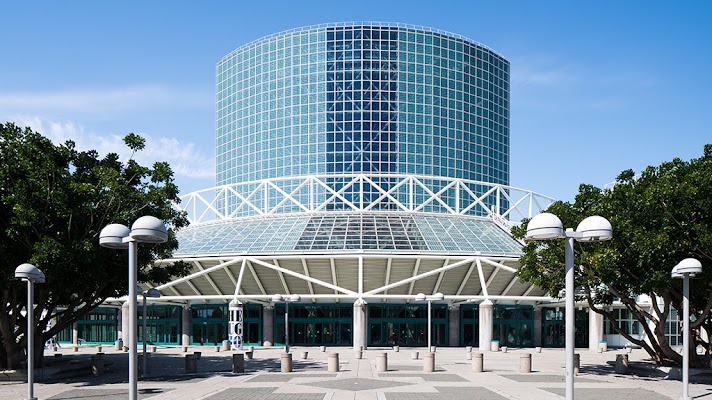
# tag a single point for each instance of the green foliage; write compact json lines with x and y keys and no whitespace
{"x":54,"y":201}
{"x":659,"y":218}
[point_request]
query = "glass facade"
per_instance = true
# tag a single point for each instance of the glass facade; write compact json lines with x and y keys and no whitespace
{"x":469,"y":325}
{"x":554,"y":326}
{"x":376,"y":99}
{"x":406,"y":325}
{"x":318,"y":324}
{"x":513,"y":325}
{"x":163,"y":325}
{"x":99,"y":326}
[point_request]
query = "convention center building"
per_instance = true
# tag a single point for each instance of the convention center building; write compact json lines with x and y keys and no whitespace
{"x":358,"y":165}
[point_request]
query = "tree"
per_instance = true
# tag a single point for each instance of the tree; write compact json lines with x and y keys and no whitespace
{"x":659,"y":218}
{"x":54,"y":201}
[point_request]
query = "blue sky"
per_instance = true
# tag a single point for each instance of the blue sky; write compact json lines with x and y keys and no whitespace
{"x":597,"y":87}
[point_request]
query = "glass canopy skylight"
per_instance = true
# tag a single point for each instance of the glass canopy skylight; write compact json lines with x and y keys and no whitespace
{"x":347,"y":231}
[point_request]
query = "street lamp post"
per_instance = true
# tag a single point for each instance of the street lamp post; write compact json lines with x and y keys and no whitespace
{"x":278,"y":298}
{"x":146,"y":229}
{"x":686,"y":269}
{"x":152,"y":292}
{"x":547,"y":226}
{"x":31,"y":274}
{"x":429,"y":299}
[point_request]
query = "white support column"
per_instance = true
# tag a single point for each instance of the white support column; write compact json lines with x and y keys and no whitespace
{"x":595,"y":329}
{"x":75,"y":333}
{"x":185,"y":326}
{"x":125,"y":323}
{"x":486,"y":322}
{"x":360,"y":323}
{"x":268,"y":326}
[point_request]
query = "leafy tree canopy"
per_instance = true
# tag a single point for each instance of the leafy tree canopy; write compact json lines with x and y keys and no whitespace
{"x":659,"y":218}
{"x":54,"y":201}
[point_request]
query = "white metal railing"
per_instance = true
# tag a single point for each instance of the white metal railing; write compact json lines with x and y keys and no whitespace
{"x":506,"y":205}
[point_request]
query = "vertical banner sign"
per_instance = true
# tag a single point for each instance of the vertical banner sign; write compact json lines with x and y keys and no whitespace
{"x":235,"y":326}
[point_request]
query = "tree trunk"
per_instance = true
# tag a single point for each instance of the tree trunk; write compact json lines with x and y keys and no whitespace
{"x":12,"y":355}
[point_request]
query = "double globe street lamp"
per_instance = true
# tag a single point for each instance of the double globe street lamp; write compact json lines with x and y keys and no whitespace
{"x":686,"y":269}
{"x":146,"y":229}
{"x":278,"y":298}
{"x":546,"y":226}
{"x":429,"y":299}
{"x":31,"y":274}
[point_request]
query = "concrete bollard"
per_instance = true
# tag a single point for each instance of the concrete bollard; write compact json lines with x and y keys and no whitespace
{"x":358,"y":354}
{"x":286,"y":362}
{"x":225,"y":345}
{"x":249,"y":352}
{"x":322,"y":349}
{"x":494,"y":346}
{"x":396,"y":349}
{"x":504,"y":349}
{"x":577,"y":363}
{"x":238,"y":363}
{"x":468,"y":356}
{"x":333,"y":362}
{"x":304,"y":355}
{"x":185,"y":349}
{"x":429,"y":362}
{"x":603,"y":345}
{"x":478,"y":363}
{"x":97,"y":364}
{"x":537,"y":349}
{"x":525,"y":363}
{"x":191,"y":363}
{"x":217,"y":349}
{"x":381,"y":362}
{"x":118,"y":345}
{"x":433,"y":349}
{"x":126,"y":349}
{"x":414,"y":355}
{"x":198,"y":354}
{"x":621,"y":364}
{"x":468,"y":349}
{"x":98,"y":349}
{"x":153,"y":349}
{"x":75,"y":348}
{"x":600,"y":350}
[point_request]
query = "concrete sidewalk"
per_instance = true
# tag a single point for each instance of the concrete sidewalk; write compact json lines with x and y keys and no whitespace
{"x":68,"y":377}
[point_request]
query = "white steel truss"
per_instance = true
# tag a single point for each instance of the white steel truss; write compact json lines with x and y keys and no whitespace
{"x":506,"y":205}
{"x":257,"y":278}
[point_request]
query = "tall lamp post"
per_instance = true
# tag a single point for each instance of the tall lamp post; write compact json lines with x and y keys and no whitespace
{"x":154,"y":293}
{"x":31,"y":274}
{"x":547,"y":226}
{"x":278,"y":298}
{"x":429,"y":299}
{"x":146,"y":229}
{"x":686,"y":269}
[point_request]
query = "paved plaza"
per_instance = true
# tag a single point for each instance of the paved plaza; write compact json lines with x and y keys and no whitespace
{"x":68,"y":377}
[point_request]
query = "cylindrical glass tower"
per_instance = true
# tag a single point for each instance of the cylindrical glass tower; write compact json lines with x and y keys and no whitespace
{"x":363,"y":98}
